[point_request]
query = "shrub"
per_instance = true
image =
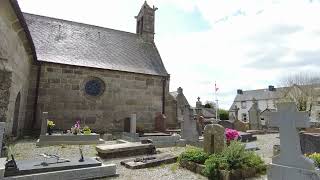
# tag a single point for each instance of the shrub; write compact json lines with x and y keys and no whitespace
{"x":223,"y":114}
{"x":316,"y":158}
{"x":234,"y":154}
{"x":213,"y":164}
{"x":233,"y":157}
{"x":193,"y":154}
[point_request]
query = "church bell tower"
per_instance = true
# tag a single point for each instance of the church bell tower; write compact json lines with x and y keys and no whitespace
{"x":145,"y":22}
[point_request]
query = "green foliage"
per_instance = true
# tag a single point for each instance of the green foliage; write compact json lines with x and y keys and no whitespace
{"x":193,"y":154}
{"x":223,"y":114}
{"x":316,"y":158}
{"x":233,"y":157}
{"x":208,"y":105}
{"x":213,"y":164}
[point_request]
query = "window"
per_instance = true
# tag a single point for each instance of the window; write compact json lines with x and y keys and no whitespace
{"x":94,"y":87}
{"x":244,"y":117}
{"x":243,"y":104}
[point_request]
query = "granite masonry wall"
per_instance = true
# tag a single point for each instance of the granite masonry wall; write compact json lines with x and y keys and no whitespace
{"x":15,"y":63}
{"x":62,"y":95}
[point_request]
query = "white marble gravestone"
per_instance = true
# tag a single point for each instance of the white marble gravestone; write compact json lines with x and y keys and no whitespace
{"x":133,"y":123}
{"x":290,"y":164}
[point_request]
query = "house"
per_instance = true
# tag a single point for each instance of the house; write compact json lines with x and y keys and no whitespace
{"x":267,"y":99}
{"x":76,"y":71}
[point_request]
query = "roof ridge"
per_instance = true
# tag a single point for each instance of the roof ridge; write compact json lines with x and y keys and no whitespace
{"x":80,"y":23}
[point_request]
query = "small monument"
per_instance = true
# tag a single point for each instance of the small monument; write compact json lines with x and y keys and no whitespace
{"x":214,"y":138}
{"x":254,"y":116}
{"x":189,"y":126}
{"x":160,"y":122}
{"x":290,"y":164}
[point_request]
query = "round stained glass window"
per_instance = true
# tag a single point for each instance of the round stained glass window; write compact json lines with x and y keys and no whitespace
{"x":94,"y":87}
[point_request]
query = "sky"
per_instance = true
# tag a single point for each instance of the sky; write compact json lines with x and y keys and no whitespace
{"x":239,"y":44}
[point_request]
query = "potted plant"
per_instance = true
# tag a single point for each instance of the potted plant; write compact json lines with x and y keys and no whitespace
{"x":50,"y":125}
{"x":86,"y":130}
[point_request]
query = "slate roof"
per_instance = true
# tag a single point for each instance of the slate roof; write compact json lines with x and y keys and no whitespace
{"x":72,"y":43}
{"x":174,"y":94}
{"x":260,"y":94}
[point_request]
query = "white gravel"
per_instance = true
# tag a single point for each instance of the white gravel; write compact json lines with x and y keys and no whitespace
{"x":26,"y":149}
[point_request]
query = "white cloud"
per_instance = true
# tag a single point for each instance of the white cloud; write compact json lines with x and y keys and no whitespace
{"x":250,"y":43}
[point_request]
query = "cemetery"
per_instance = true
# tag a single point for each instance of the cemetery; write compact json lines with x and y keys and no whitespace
{"x":81,"y":101}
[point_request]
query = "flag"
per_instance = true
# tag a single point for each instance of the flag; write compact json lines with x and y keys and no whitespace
{"x":215,"y":87}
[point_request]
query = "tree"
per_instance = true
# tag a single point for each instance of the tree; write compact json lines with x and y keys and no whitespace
{"x":223,"y":114}
{"x":300,"y":88}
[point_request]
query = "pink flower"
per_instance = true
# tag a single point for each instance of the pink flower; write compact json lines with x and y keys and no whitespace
{"x":231,"y":134}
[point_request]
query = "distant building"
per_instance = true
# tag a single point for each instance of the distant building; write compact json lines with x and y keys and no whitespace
{"x":267,"y":99}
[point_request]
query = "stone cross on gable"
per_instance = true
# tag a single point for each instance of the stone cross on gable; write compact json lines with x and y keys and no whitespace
{"x":288,"y":119}
{"x":198,"y":98}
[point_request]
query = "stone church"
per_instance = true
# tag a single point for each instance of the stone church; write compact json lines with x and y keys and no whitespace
{"x":76,"y":71}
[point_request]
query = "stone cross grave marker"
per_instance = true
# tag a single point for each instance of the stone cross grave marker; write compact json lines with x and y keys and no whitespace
{"x":44,"y":123}
{"x":214,"y":138}
{"x":288,"y":119}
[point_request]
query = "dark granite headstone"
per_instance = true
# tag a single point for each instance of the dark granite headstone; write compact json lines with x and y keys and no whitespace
{"x":126,"y":125}
{"x":25,"y":167}
{"x":247,"y":137}
{"x":310,"y":142}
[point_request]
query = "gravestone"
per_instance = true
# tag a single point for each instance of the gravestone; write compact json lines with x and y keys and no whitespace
{"x":240,"y":125}
{"x":214,"y":138}
{"x":254,"y":116}
{"x":310,"y":143}
{"x":44,"y":123}
{"x":189,"y":126}
{"x":133,"y":123}
{"x":290,"y":164}
{"x":226,"y":124}
{"x":160,"y":122}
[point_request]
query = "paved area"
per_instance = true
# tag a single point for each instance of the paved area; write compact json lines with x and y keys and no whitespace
{"x":26,"y":149}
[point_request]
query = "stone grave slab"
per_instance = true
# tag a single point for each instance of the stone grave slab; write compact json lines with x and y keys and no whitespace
{"x":125,"y":149}
{"x":57,"y":139}
{"x":149,"y":161}
{"x":155,"y":134}
{"x":70,"y":169}
{"x":251,"y":146}
{"x":34,"y":166}
{"x":247,"y":137}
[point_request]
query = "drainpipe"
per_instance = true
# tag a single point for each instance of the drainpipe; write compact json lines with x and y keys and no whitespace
{"x":35,"y":106}
{"x":164,"y":83}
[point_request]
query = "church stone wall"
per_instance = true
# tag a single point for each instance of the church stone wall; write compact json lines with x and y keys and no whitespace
{"x":62,"y":95}
{"x":14,"y":69}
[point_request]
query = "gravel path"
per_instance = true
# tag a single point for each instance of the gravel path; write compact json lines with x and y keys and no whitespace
{"x":26,"y":149}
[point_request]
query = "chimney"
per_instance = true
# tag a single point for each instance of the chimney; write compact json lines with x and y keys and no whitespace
{"x":271,"y":88}
{"x":239,"y":91}
{"x":145,"y":22}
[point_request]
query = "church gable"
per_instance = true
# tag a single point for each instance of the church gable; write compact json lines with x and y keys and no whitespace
{"x":66,"y":42}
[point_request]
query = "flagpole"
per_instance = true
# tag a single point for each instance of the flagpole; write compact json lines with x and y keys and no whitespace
{"x":215,"y":95}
